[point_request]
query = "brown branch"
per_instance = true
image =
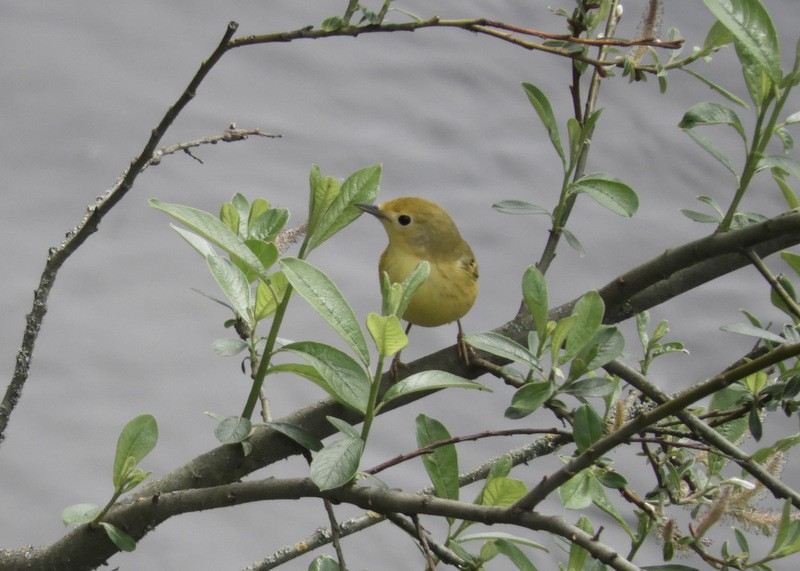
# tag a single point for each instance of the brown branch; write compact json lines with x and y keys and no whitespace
{"x":499,"y":30}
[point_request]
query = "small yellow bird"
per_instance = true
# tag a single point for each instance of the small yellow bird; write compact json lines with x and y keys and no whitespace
{"x":420,"y":230}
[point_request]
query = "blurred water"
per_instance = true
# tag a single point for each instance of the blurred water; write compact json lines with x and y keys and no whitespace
{"x":83,"y":84}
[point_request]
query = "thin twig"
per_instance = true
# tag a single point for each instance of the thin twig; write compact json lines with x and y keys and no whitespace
{"x":778,"y":488}
{"x":335,"y":536}
{"x":88,"y":226}
{"x":776,"y":286}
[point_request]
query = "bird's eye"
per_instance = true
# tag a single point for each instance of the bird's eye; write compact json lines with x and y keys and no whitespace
{"x":404,"y":219}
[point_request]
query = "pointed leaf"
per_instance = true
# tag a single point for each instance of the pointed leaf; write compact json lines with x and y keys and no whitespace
{"x":753,"y":31}
{"x":502,"y":346}
{"x":346,"y":380}
{"x":361,"y":187}
{"x":428,"y":381}
{"x":529,"y":398}
{"x":337,"y":464}
{"x":233,"y":429}
{"x":266,"y":302}
{"x":713,"y":150}
{"x":233,"y":284}
{"x":297,"y":433}
{"x":519,"y":207}
{"x":751,"y":331}
{"x":121,"y":539}
{"x":608,"y":191}
{"x":442,"y":463}
{"x":213,"y":230}
{"x":201,"y":245}
{"x":326,"y":299}
{"x":269,"y":224}
{"x":387,"y":333}
{"x":588,"y":427}
{"x":136,"y":441}
{"x":534,"y":291}
{"x":80,"y":513}
{"x":545,"y":111}
{"x":411,"y":283}
{"x":710,"y":113}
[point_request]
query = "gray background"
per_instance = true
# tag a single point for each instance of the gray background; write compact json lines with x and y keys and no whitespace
{"x":84,"y":82}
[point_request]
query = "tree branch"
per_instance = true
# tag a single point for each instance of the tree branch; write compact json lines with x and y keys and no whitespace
{"x":88,"y":226}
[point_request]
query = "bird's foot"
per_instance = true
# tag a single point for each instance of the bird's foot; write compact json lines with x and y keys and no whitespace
{"x":465,"y":350}
{"x":396,"y":368}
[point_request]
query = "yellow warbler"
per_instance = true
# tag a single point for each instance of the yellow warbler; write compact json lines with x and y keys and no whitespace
{"x":419,"y":230}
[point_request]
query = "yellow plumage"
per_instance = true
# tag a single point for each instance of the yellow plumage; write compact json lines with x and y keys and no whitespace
{"x":419,"y":230}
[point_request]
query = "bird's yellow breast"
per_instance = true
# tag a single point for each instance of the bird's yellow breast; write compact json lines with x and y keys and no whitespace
{"x":447,"y":294}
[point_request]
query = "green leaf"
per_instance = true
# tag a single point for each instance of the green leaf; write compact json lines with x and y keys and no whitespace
{"x":787,"y":540}
{"x":266,"y":252}
{"x":136,"y":441}
{"x":752,"y":331}
{"x":387,"y":333}
{"x":80,"y":513}
{"x":326,"y":299}
{"x":606,"y":345}
{"x":324,"y":562}
{"x":710,"y":113}
{"x":441,"y":463}
{"x":573,"y":241}
{"x":712,"y":150}
{"x":587,"y":317}
{"x":345,"y":428}
{"x":266,"y":302}
{"x":121,"y":539}
{"x":234,"y":285}
{"x":576,"y":493}
{"x":324,"y":191}
{"x":229,"y":216}
{"x":545,"y":111}
{"x":609,"y":192}
{"x":753,"y":32}
{"x":716,"y":87}
{"x":592,"y":387}
{"x":201,"y":245}
{"x":361,"y":187}
{"x":337,"y":464}
{"x":718,"y":36}
{"x":428,"y":381}
{"x":792,"y":259}
{"x":502,"y":492}
{"x":297,"y":433}
{"x":726,"y":399}
{"x":242,"y":206}
{"x":502,"y":346}
{"x":228,"y":347}
{"x":259,"y":207}
{"x":789,"y":165}
{"x":699,"y":216}
{"x":534,"y":291}
{"x":410,"y":285}
{"x":269,"y":224}
{"x":519,"y":207}
{"x":344,"y":378}
{"x":213,"y":230}
{"x":587,"y":427}
{"x":233,"y":429}
{"x":529,"y":398}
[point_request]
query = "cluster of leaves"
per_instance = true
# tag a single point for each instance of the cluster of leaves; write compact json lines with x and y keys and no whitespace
{"x":607,"y":190}
{"x":255,"y":292}
{"x":136,"y":441}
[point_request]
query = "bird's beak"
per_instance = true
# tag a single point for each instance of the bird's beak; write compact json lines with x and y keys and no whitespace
{"x":371,"y":209}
